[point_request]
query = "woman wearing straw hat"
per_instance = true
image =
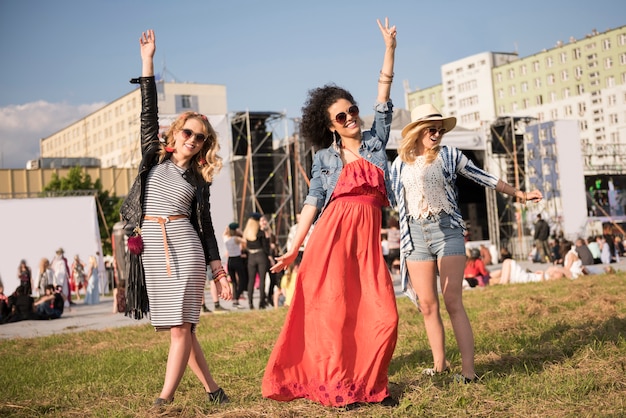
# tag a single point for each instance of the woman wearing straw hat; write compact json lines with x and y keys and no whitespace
{"x":432,"y":229}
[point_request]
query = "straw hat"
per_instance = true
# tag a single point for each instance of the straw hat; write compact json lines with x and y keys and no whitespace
{"x":428,"y":113}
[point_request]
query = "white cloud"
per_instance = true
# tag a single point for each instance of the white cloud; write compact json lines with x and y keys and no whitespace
{"x":22,"y":126}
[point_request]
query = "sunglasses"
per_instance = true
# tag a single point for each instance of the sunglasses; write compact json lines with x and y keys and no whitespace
{"x":433,"y":131}
{"x":342,"y":117}
{"x":188,"y":133}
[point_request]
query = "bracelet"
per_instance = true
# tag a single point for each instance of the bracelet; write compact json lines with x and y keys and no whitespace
{"x":525,"y":198}
{"x":218,"y":272}
{"x":384,"y":81}
{"x":217,"y":277}
{"x":386,"y":75}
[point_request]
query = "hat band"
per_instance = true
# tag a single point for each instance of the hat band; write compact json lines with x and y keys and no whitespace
{"x":431,"y":116}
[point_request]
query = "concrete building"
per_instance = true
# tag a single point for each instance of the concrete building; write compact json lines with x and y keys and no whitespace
{"x":112,"y":132}
{"x":582,"y":80}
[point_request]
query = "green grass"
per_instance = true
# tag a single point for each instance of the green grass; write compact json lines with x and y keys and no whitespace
{"x":552,"y":349}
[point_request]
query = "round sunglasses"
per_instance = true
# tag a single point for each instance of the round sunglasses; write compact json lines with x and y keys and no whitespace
{"x":342,"y":117}
{"x":433,"y":130}
{"x":188,"y":133}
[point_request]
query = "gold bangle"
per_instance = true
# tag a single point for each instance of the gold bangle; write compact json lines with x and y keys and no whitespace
{"x":386,"y":75}
{"x":384,"y":81}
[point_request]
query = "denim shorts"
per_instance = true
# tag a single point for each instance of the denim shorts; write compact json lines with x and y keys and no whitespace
{"x":434,"y":237}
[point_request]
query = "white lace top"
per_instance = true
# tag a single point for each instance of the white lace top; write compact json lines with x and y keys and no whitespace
{"x":424,"y":188}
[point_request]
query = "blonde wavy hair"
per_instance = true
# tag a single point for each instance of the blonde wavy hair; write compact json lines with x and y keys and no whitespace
{"x":207,"y":162}
{"x":251,"y":230}
{"x":409,"y":143}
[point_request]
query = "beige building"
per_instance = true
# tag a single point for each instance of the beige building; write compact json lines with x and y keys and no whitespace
{"x":112,"y":132}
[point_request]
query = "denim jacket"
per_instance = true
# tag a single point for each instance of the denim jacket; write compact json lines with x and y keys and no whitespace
{"x":327,"y":164}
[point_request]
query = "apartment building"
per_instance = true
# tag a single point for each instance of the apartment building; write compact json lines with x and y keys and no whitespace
{"x":112,"y":132}
{"x":582,"y":80}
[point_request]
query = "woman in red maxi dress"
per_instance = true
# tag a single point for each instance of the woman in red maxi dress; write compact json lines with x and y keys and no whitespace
{"x":341,"y":329}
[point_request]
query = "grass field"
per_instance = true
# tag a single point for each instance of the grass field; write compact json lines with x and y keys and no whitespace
{"x":551,"y":349}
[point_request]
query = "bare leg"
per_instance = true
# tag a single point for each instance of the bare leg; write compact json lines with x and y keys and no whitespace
{"x":451,"y":276}
{"x":423,"y":276}
{"x":200,"y":367}
{"x":177,"y":359}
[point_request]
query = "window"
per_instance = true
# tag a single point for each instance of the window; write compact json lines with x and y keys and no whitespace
{"x":522,"y":69}
{"x":550,"y":79}
{"x":524,"y":87}
{"x":564,"y":75}
{"x":554,"y":114}
{"x":611,"y":100}
{"x":500,"y":93}
{"x":608,"y":62}
{"x":578,"y":71}
{"x":549,"y":62}
{"x":499,"y":77}
{"x":606,"y":44}
{"x":582,"y":107}
{"x":568,"y":110}
{"x":610,"y":81}
{"x":613,"y":120}
{"x":185,"y":101}
{"x":576,"y":53}
{"x":566,"y":92}
{"x":622,"y":59}
{"x":511,"y":74}
{"x":553,"y":97}
{"x":539,"y":100}
{"x":537,"y":82}
{"x":536,"y":66}
{"x":513,"y":91}
{"x":525,"y":104}
{"x":563,"y":57}
{"x":580,"y":88}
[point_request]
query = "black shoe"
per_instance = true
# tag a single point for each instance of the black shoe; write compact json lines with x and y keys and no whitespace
{"x":459,"y":378}
{"x":262,"y":306}
{"x":160,"y":402}
{"x":218,"y":397}
{"x":205,"y":309}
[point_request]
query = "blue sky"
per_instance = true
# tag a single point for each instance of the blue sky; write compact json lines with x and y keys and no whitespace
{"x":63,"y":59}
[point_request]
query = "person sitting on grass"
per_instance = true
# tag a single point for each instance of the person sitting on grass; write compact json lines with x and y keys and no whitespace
{"x":572,"y":268}
{"x":50,"y":305}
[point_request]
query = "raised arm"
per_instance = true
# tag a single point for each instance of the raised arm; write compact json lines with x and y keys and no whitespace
{"x":147,"y":43}
{"x":386,"y":73}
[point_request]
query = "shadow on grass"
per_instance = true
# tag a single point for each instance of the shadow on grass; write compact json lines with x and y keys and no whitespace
{"x":557,"y":344}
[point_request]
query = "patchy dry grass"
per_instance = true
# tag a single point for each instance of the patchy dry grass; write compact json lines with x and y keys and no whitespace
{"x":554,"y":349}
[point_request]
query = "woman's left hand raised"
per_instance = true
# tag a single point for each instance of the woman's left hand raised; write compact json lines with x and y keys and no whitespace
{"x":389,"y":33}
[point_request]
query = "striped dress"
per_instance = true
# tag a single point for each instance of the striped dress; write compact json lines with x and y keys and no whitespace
{"x":176,"y":298}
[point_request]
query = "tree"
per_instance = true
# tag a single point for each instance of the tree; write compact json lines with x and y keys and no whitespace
{"x":78,"y":182}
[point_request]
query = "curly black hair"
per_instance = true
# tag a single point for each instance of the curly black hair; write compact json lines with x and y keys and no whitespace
{"x":315,"y":118}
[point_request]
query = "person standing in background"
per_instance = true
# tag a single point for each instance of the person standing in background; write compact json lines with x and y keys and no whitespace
{"x":62,"y":275}
{"x":541,"y":235}
{"x":234,"y":243}
{"x":258,"y":246}
{"x":92,"y":290}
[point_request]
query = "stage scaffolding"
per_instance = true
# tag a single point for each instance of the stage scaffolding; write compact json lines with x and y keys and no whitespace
{"x":505,"y":148}
{"x":269,"y":169}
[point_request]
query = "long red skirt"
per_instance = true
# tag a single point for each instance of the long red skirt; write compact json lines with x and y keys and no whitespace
{"x":341,"y":329}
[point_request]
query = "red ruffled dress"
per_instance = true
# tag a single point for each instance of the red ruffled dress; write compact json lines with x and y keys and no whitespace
{"x":341,"y":329}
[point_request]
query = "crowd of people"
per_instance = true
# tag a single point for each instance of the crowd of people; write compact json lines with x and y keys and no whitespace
{"x":53,"y":288}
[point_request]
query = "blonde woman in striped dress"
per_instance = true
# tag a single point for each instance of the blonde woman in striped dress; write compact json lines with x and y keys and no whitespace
{"x":177,"y":230}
